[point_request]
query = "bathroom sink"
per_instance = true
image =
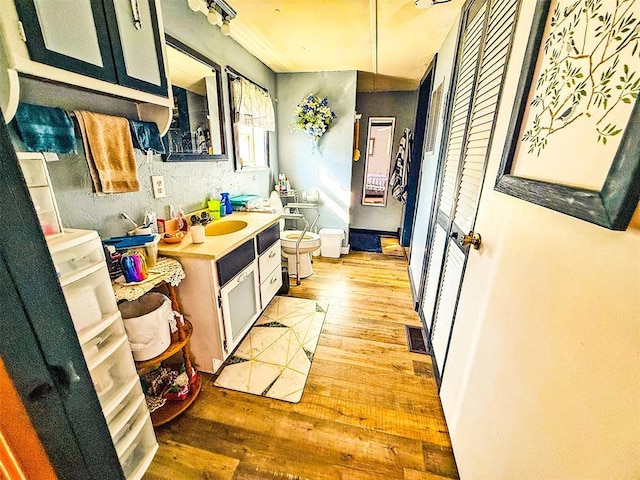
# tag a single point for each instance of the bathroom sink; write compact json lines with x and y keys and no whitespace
{"x":224,"y":227}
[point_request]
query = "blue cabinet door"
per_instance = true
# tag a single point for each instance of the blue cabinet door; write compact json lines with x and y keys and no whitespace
{"x":38,"y":342}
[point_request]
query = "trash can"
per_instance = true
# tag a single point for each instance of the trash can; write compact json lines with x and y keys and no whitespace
{"x":331,"y":242}
{"x":146,"y":321}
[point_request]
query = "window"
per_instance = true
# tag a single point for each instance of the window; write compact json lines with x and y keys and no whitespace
{"x":252,"y":118}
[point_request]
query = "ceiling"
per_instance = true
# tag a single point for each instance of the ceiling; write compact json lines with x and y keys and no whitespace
{"x":390,"y":42}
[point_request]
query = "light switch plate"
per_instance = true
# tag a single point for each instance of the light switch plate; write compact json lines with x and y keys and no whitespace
{"x":158,"y":186}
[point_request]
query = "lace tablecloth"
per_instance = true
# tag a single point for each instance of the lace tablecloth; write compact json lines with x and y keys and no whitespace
{"x":165,"y":270}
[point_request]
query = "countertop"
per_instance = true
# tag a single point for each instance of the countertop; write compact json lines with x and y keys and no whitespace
{"x":215,"y":247}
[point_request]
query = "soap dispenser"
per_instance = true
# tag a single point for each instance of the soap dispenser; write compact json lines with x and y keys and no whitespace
{"x":224,"y":200}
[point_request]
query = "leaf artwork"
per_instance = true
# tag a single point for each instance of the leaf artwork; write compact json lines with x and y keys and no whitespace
{"x":586,"y":71}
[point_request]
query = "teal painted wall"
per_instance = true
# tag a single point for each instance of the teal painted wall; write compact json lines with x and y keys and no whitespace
{"x":327,"y":168}
{"x":401,"y":106}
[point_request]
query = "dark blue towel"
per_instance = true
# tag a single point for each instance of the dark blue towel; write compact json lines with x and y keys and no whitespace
{"x":45,"y":129}
{"x":146,"y":136}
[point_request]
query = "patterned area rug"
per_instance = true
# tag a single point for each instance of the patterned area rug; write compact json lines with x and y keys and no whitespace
{"x":275,"y":357}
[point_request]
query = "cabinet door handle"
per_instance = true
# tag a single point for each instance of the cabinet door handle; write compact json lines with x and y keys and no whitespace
{"x":272,"y":254}
{"x":273,"y":280}
{"x":242,"y":278}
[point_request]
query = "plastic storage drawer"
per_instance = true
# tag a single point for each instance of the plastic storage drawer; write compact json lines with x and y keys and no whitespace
{"x":90,"y":299}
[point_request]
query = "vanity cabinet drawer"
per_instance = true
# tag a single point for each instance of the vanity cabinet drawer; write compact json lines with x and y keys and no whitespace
{"x":268,"y":237}
{"x":269,"y":260}
{"x":270,"y":286}
{"x":235,"y":261}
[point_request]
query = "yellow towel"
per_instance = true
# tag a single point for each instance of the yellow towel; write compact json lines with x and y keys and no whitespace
{"x":109,"y":151}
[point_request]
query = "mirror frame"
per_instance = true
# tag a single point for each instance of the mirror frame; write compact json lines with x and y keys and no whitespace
{"x":382,"y":121}
{"x":199,"y":157}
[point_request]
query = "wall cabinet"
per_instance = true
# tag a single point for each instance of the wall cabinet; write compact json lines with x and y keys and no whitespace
{"x":222,"y":299}
{"x":109,"y":46}
{"x":110,"y":40}
{"x":82,"y":272}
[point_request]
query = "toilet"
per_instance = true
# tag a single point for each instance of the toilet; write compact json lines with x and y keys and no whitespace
{"x":288,"y":238}
{"x":309,"y":244}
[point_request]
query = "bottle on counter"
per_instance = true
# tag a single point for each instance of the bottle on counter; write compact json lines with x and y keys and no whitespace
{"x":183,"y":224}
{"x":224,"y":200}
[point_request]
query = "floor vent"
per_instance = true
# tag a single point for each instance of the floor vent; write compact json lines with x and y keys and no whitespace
{"x":416,"y":340}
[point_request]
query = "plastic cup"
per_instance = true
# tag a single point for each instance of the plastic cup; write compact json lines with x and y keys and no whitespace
{"x":197,"y":234}
{"x":151,"y":250}
{"x":214,"y":206}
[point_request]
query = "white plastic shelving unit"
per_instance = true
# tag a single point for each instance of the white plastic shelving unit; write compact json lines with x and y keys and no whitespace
{"x":82,"y":271}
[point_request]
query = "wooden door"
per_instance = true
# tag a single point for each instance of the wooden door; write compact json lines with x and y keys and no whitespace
{"x":482,"y":60}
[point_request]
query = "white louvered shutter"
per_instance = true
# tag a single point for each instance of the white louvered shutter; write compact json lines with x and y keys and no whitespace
{"x":472,"y":147}
{"x":459,"y":118}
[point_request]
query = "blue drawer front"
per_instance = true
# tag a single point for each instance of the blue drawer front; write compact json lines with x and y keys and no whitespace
{"x":234,"y":262}
{"x":268,"y":237}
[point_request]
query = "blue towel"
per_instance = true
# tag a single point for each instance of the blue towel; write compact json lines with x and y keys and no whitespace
{"x":146,"y":136}
{"x":45,"y":129}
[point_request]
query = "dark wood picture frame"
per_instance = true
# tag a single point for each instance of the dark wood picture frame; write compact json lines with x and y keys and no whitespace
{"x":194,"y":156}
{"x":611,"y":207}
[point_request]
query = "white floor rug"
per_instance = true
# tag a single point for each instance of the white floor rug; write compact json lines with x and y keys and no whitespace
{"x":275,"y":357}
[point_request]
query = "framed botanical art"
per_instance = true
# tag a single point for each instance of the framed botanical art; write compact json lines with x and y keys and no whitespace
{"x":573,"y":143}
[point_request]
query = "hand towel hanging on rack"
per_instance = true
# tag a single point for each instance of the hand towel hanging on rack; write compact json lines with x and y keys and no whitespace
{"x":108,"y":148}
{"x":399,"y":175}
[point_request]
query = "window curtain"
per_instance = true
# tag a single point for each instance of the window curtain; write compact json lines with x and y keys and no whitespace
{"x":253,"y":106}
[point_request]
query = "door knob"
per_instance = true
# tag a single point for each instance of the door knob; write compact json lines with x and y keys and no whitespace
{"x":473,"y":239}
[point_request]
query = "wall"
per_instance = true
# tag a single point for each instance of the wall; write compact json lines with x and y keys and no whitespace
{"x":543,"y":375}
{"x":187,"y":184}
{"x":444,"y":68}
{"x":327,"y":167}
{"x":402,"y":106}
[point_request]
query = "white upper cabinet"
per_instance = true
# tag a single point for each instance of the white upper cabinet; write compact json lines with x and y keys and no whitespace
{"x":114,"y":47}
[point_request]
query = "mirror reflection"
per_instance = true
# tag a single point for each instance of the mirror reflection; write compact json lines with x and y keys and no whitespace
{"x":378,"y":161}
{"x":196,"y":132}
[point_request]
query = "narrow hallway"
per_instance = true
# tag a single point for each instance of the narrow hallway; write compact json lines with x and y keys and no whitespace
{"x":370,"y":409}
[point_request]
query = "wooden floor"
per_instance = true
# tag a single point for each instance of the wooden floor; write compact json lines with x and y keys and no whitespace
{"x":370,"y":409}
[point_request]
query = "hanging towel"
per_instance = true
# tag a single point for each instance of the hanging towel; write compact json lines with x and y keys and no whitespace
{"x":146,"y":136}
{"x":109,"y":151}
{"x":399,"y":176}
{"x":45,"y":129}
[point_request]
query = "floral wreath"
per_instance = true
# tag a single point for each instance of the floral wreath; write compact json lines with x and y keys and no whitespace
{"x":313,"y":116}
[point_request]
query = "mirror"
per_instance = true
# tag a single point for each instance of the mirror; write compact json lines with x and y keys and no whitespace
{"x":196,"y":132}
{"x":378,"y":162}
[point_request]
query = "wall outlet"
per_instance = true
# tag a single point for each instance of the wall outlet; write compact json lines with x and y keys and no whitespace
{"x":158,"y":186}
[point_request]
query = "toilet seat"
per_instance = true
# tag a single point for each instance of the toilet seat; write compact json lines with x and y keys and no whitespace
{"x":310,"y":243}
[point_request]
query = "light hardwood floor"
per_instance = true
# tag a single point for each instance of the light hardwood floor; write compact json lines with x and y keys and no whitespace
{"x":370,"y":409}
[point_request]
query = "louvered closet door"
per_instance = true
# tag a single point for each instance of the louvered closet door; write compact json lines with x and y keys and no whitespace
{"x":482,"y":66}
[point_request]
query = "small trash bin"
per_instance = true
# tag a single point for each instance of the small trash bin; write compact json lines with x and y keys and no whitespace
{"x":331,"y":242}
{"x":146,"y":321}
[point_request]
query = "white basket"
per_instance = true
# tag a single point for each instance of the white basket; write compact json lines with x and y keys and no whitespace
{"x":146,"y":321}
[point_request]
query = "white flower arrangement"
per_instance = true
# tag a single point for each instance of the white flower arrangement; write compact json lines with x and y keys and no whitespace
{"x":313,"y":116}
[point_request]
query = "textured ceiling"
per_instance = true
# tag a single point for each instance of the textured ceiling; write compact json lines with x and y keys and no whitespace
{"x":391,"y":42}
